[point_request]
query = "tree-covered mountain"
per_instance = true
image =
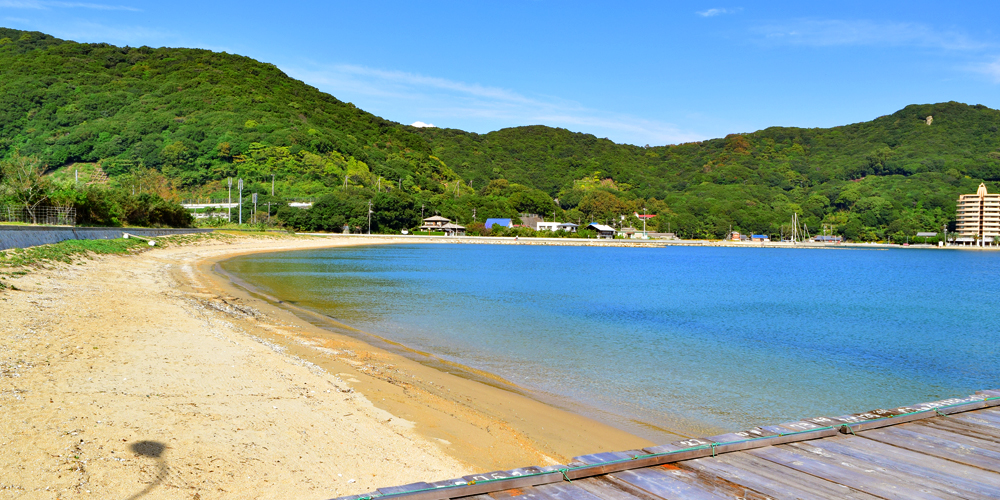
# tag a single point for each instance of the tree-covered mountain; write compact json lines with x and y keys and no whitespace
{"x":196,"y":117}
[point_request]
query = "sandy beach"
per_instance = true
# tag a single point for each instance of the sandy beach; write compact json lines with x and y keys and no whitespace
{"x":151,"y":376}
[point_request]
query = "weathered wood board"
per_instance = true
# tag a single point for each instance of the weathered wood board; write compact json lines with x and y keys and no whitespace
{"x":948,"y":449}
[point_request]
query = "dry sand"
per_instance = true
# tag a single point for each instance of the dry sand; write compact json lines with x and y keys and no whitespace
{"x":148,"y":376}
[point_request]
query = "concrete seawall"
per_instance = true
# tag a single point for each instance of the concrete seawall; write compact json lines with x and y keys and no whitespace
{"x":29,"y":236}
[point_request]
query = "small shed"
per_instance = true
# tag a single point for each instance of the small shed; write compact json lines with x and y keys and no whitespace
{"x":567,"y":226}
{"x":605,"y":232}
{"x":828,"y":239}
{"x":453,"y":229}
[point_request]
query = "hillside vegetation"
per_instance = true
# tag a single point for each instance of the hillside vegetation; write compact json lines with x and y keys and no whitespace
{"x":195,"y":118}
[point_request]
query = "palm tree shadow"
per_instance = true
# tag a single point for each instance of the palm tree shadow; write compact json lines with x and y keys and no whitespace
{"x":154,"y":450}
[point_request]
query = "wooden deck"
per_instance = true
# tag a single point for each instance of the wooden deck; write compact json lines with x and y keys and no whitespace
{"x":939,"y":450}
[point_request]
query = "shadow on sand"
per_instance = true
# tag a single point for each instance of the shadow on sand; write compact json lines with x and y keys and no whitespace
{"x":154,"y":450}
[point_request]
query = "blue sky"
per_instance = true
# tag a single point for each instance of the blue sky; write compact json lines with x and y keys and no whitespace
{"x":636,"y":72}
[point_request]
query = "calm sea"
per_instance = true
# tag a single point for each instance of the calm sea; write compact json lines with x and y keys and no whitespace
{"x":695,"y":339}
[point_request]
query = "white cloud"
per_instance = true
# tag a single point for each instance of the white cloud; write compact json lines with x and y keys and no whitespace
{"x":834,"y":32}
{"x":397,"y":93}
{"x":420,"y":124}
{"x":990,"y":69}
{"x":717,"y":12}
{"x":47,"y":5}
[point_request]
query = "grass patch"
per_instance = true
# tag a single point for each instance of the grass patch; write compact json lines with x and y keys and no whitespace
{"x":67,"y":252}
{"x":18,"y":262}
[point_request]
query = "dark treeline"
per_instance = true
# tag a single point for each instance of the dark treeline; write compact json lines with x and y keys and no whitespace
{"x":197,"y":117}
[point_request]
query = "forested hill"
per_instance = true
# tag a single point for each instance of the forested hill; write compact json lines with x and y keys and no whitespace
{"x":198,"y":117}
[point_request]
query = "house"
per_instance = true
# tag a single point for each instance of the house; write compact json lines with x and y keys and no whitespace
{"x":441,"y":224}
{"x":557,"y":226}
{"x":667,"y":236}
{"x":760,"y":237}
{"x":628,"y":232}
{"x":499,"y":222}
{"x":435,"y":223}
{"x":605,"y":232}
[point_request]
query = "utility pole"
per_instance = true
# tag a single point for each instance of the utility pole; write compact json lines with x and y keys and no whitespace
{"x":369,"y":217}
{"x":239,"y":186}
{"x":272,"y":192}
{"x":421,"y":212}
{"x":253,"y":218}
{"x":644,"y":223}
{"x":229,"y":205}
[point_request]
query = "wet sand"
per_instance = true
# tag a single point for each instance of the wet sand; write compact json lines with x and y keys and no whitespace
{"x":152,"y":375}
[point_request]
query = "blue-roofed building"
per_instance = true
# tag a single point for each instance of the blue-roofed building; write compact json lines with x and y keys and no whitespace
{"x":500,"y":222}
{"x":760,"y":237}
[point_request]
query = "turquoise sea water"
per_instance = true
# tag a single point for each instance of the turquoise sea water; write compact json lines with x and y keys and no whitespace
{"x":695,"y":339}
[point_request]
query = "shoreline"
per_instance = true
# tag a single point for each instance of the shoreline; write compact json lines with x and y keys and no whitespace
{"x":526,"y":422}
{"x":638,"y":243}
{"x":647,"y":429}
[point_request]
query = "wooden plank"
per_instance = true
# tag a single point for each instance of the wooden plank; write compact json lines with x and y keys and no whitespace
{"x":868,"y":480}
{"x":956,"y":432}
{"x":609,"y":488}
{"x":953,"y":405}
{"x":943,"y":481}
{"x":981,"y":417}
{"x":991,"y":394}
{"x":599,"y":458}
{"x":704,"y":480}
{"x":666,"y":486}
{"x":772,"y":479}
{"x":546,"y":492}
{"x":967,"y":478}
{"x":970,"y":429}
{"x":927,"y":444}
{"x":569,"y":491}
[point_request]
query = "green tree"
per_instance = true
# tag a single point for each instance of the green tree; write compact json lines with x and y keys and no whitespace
{"x":24,"y":182}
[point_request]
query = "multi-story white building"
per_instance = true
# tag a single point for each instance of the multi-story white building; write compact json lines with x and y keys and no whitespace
{"x":979,"y":215}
